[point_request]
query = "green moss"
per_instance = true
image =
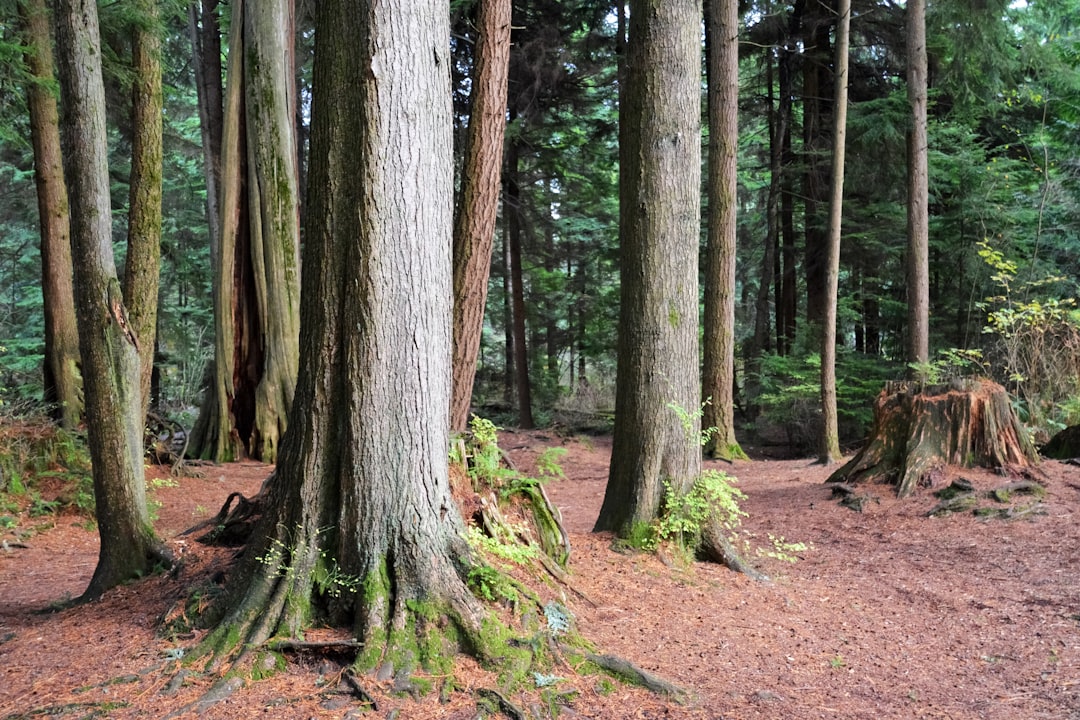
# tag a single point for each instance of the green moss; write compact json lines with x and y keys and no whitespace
{"x":673,"y":315}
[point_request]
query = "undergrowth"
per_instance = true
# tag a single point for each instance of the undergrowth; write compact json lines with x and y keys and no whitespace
{"x":44,"y":471}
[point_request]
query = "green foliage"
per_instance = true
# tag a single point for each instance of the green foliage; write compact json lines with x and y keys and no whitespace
{"x":713,"y":496}
{"x":44,"y":470}
{"x":791,"y":394}
{"x":951,"y":363}
{"x":547,"y":463}
{"x":1037,"y":342}
{"x":327,"y":576}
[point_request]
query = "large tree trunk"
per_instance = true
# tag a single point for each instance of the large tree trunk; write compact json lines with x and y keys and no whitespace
{"x":62,"y":382}
{"x":363,"y":485}
{"x":109,"y":348}
{"x":718,"y":375}
{"x":918,"y":430}
{"x":918,"y":217}
{"x":657,"y":387}
{"x":474,"y":231}
{"x":257,"y":268}
{"x":142,"y":267}
{"x":830,"y":439}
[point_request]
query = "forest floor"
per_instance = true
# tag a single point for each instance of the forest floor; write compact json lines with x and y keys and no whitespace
{"x":889,"y":613}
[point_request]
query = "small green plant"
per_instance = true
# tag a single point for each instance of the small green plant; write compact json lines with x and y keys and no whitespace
{"x":836,"y":662}
{"x":165,"y":482}
{"x":713,"y":496}
{"x":7,"y":522}
{"x":40,"y":507}
{"x":782,"y":549}
{"x":327,"y":575}
{"x":490,"y":584}
{"x":547,"y":463}
{"x":951,"y":363}
{"x":691,"y":419}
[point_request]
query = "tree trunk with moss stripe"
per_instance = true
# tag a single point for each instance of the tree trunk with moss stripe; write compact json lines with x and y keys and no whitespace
{"x":257,"y":283}
{"x":362,"y":487}
{"x":658,"y":391}
{"x":142,"y":266}
{"x":109,"y":350}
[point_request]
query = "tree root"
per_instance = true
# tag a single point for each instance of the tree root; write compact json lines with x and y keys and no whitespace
{"x":220,"y":690}
{"x":716,"y":547}
{"x":232,"y":526}
{"x":508,"y":708}
{"x":631,"y":673}
{"x":961,"y":496}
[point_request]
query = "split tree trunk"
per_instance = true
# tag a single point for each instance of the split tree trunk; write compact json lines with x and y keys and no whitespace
{"x":919,"y":430}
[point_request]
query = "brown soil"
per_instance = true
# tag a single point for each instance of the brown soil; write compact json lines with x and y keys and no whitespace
{"x":890,"y":614}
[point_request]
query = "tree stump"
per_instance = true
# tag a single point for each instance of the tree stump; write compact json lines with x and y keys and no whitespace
{"x":920,"y":429}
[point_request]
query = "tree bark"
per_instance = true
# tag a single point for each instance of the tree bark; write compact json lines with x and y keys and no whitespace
{"x":366,"y":455}
{"x":109,"y":348}
{"x":142,"y":267}
{"x":257,"y":269}
{"x":830,"y":440}
{"x":918,"y":217}
{"x":206,"y":61}
{"x":522,"y":383}
{"x":657,"y":388}
{"x":62,"y":382}
{"x":718,"y":375}
{"x":919,"y":430}
{"x":474,"y":231}
{"x":817,"y":22}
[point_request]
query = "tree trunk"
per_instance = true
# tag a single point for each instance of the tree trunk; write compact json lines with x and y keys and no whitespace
{"x":206,"y":61}
{"x":817,"y":22}
{"x":109,"y":348}
{"x":919,"y":430}
{"x":830,"y":440}
{"x":257,"y":269}
{"x":474,"y":231}
{"x":918,"y":261}
{"x":62,"y":382}
{"x":522,"y":384}
{"x":142,"y":267}
{"x":657,"y":427}
{"x":787,"y":297}
{"x":363,"y":487}
{"x":718,"y":375}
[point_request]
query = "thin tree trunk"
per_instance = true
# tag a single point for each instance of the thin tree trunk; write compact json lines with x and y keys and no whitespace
{"x":517,"y":294}
{"x":142,"y":267}
{"x":718,"y":375}
{"x":817,"y":75}
{"x":109,"y":348}
{"x":474,"y":231}
{"x":206,"y":43}
{"x":918,"y":263}
{"x":62,"y":382}
{"x":830,"y":441}
{"x":787,"y":299}
{"x":657,"y":428}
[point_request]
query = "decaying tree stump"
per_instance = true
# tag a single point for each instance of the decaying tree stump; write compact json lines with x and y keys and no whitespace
{"x":919,"y":429}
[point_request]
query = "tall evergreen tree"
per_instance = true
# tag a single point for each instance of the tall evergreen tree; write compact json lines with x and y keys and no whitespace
{"x":918,"y":214}
{"x":830,"y":440}
{"x":474,"y":229}
{"x":62,"y":383}
{"x":363,"y":482}
{"x":658,"y":389}
{"x":718,"y":375}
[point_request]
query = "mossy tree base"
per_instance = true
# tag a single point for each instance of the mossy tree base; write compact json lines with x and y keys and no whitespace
{"x":920,"y":429}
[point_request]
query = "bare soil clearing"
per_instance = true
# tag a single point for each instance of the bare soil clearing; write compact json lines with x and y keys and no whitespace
{"x":890,"y":614}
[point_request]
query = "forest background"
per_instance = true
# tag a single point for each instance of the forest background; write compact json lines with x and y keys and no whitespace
{"x":1003,"y":193}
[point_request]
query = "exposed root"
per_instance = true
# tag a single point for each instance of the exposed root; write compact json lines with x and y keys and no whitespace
{"x":716,"y":547}
{"x":221,"y":690}
{"x":503,"y":704}
{"x":631,"y":673}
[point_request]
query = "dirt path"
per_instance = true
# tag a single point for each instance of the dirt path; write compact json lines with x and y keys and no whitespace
{"x":890,"y":614}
